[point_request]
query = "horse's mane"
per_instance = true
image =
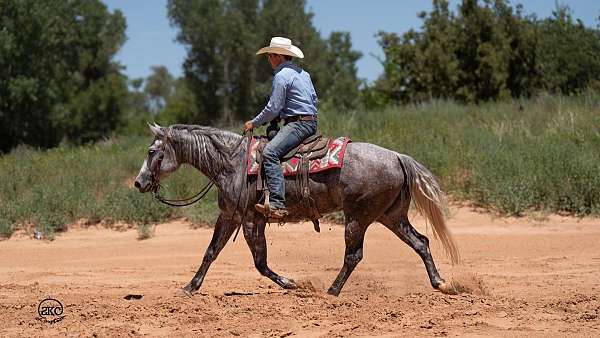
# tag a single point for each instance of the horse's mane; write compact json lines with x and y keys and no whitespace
{"x":202,"y":145}
{"x":217,"y":136}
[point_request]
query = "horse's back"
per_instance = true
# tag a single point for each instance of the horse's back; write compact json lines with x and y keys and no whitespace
{"x":370,"y":170}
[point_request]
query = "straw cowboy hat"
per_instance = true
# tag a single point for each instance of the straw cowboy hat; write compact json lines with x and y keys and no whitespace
{"x":282,"y":46}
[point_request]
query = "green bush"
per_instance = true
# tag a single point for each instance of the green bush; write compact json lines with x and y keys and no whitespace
{"x":541,"y":154}
{"x":50,"y":189}
{"x":538,"y":154}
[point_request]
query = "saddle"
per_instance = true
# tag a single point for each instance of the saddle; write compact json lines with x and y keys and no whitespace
{"x":314,"y":147}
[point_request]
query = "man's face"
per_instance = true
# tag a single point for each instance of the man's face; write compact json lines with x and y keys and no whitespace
{"x":275,"y":60}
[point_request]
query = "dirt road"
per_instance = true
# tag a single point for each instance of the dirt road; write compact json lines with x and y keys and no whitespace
{"x":522,"y":278}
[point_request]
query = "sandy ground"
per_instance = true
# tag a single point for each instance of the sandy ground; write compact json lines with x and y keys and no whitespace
{"x":523,"y":277}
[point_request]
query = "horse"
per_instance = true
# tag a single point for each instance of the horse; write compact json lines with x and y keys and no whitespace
{"x":374,"y":184}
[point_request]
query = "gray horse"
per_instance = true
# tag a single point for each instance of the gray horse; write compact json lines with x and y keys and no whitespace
{"x":375,"y":184}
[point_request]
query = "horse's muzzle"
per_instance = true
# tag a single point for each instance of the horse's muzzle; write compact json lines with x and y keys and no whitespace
{"x":140,"y":186}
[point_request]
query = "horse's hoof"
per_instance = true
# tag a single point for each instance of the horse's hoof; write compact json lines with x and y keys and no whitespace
{"x":333,"y":292}
{"x":447,"y":288}
{"x":287,"y":283}
{"x":186,"y":291}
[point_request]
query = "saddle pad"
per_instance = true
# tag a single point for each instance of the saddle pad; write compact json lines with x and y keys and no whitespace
{"x":334,"y":158}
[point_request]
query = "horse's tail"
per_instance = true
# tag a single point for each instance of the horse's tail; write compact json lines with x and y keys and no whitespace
{"x":429,"y":199}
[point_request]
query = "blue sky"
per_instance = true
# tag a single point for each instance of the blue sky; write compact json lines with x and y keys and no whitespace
{"x":151,"y":38}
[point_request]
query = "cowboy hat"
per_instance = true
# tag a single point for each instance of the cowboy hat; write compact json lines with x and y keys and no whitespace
{"x":282,"y":46}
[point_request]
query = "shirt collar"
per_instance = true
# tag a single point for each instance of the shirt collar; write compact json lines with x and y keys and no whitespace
{"x":281,"y":66}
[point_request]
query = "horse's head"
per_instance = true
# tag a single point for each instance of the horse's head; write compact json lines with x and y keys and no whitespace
{"x":160,"y":162}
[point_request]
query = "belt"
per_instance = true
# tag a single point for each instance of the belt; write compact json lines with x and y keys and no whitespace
{"x":299,"y":118}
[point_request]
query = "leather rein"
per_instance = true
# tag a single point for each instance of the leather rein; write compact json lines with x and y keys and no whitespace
{"x":155,"y":186}
{"x":184,"y":201}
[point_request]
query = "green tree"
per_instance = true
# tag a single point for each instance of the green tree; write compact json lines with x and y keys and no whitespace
{"x":568,"y":53}
{"x":159,"y":88}
{"x":222,"y":71}
{"x":342,"y":89}
{"x":136,"y":111}
{"x":483,"y":52}
{"x":58,"y":78}
{"x":488,"y":50}
{"x":421,"y":65}
{"x":522,"y":33}
{"x":181,"y":107}
{"x":220,"y":62}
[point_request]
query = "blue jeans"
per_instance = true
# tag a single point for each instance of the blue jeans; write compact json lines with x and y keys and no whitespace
{"x":289,"y":137}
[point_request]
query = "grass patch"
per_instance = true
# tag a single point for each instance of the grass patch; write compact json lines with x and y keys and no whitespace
{"x":540,"y":155}
{"x":145,"y":231}
{"x":50,"y":189}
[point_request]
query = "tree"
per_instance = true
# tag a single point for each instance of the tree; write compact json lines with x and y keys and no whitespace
{"x":483,"y":52}
{"x":181,"y":107}
{"x":221,"y":69}
{"x":488,"y":50}
{"x":568,"y":53}
{"x":58,"y":77}
{"x":136,"y":111}
{"x":421,"y":65}
{"x":523,"y":76}
{"x":343,"y":87}
{"x":219,"y":65}
{"x":159,"y":88}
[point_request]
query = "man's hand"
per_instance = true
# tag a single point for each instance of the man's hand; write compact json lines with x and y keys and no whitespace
{"x":248,"y":126}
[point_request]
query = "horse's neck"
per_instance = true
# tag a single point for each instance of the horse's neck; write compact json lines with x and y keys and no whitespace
{"x":214,"y":153}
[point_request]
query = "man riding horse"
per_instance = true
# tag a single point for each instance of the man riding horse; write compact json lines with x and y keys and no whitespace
{"x":294,"y":100}
{"x":372,"y":184}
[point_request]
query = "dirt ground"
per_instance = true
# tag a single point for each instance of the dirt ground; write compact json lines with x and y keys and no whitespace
{"x":522,"y":277}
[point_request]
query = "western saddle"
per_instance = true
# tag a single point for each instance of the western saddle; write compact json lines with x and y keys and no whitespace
{"x":314,"y":147}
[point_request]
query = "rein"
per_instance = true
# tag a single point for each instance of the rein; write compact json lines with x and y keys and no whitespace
{"x":176,"y":202}
{"x":185,"y":201}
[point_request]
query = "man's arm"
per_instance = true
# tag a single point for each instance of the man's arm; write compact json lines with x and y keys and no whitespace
{"x":276,"y":102}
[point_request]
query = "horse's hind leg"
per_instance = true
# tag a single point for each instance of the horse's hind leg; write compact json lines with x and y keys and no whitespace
{"x":354,"y":237}
{"x":222,"y":233}
{"x":407,"y":233}
{"x":254,"y":233}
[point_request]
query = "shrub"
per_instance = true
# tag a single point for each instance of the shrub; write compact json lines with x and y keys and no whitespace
{"x":541,"y":154}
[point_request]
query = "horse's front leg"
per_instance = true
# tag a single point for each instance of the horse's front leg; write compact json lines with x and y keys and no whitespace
{"x":222,"y":233}
{"x":254,"y":233}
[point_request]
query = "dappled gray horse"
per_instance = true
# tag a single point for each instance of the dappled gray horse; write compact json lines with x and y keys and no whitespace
{"x":375,"y":184}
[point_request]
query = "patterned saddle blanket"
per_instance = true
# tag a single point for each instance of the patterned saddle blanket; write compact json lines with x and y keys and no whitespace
{"x":333,"y":158}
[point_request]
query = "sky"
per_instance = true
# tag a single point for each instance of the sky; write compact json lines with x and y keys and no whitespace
{"x":151,"y":39}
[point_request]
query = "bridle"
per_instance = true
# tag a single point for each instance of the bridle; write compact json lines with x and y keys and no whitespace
{"x":155,"y":183}
{"x":155,"y":187}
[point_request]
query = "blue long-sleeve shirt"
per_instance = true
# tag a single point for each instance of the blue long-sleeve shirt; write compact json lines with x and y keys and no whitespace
{"x":293,"y":94}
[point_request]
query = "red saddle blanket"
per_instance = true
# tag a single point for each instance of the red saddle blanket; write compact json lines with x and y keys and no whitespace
{"x":333,"y":159}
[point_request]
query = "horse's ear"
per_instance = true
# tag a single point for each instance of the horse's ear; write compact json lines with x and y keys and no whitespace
{"x":156,"y":130}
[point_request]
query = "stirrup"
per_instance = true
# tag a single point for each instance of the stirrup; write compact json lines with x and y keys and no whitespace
{"x":265,"y":208}
{"x":271,"y":213}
